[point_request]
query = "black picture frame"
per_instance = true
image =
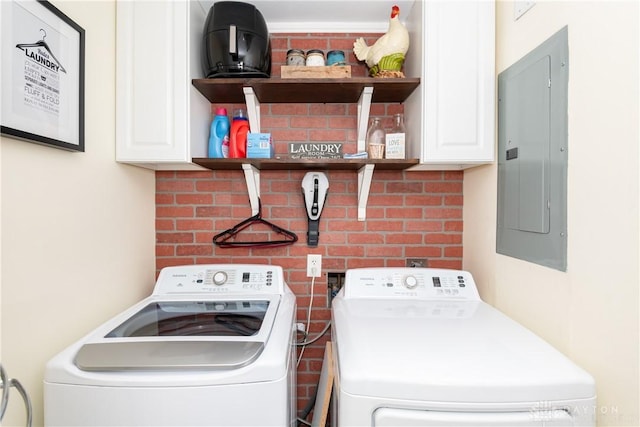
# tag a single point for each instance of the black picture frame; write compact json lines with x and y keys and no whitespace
{"x":41,"y":75}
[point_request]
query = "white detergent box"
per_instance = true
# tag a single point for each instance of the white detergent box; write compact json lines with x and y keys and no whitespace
{"x":259,"y":146}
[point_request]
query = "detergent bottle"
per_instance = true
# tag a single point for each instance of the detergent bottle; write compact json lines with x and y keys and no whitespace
{"x":238,"y":135}
{"x":219,"y":135}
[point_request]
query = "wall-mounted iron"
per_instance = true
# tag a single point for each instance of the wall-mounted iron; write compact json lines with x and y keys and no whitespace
{"x":315,"y":186}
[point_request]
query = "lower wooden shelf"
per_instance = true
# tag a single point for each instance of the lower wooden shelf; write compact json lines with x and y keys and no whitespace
{"x":252,"y":168}
{"x":304,"y":164}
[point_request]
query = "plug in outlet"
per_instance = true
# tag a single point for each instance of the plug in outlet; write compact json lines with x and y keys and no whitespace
{"x":314,"y":265}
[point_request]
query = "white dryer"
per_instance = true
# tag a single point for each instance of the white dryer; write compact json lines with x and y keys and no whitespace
{"x":418,"y":347}
{"x":212,"y":346}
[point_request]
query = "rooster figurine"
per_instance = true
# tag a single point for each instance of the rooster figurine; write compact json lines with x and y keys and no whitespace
{"x":386,"y":56}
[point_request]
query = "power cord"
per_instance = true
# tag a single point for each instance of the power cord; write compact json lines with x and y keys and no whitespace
{"x":306,"y":332}
{"x":301,"y":418}
{"x":312,"y":340}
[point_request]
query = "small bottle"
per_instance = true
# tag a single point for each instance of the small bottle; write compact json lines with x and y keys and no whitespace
{"x":219,"y":135}
{"x":395,"y":139}
{"x":238,"y":135}
{"x":375,"y":139}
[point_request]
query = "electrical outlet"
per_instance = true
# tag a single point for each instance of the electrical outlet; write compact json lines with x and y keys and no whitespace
{"x":314,"y":265}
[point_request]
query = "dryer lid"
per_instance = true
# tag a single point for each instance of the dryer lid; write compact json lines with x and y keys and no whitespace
{"x":425,"y":334}
{"x":462,"y":351}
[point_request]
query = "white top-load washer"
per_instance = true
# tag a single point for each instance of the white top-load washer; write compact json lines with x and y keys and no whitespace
{"x":418,"y":347}
{"x":212,"y":346}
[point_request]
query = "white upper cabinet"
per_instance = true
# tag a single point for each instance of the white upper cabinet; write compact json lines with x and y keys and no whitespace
{"x":161,"y":119}
{"x":450,"y":119}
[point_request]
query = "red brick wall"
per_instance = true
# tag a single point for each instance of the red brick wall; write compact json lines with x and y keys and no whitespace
{"x":409,"y":214}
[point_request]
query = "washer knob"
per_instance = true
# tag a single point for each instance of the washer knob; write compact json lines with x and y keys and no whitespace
{"x":219,"y":278}
{"x":410,"y":282}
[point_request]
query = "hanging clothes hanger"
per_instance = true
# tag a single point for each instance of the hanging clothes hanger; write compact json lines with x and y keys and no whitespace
{"x":42,"y":43}
{"x":222,"y":239}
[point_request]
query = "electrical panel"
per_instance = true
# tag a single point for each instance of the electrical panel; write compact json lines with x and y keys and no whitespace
{"x":532,"y":155}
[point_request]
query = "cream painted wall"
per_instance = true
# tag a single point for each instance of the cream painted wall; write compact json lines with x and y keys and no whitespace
{"x":77,"y":228}
{"x":591,"y":312}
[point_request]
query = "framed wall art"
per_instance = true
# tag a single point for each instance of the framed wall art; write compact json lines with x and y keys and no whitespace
{"x":42,"y":74}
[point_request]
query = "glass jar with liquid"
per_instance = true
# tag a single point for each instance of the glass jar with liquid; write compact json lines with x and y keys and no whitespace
{"x":375,"y":139}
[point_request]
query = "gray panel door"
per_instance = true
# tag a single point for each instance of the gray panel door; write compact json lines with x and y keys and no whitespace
{"x":527,"y":109}
{"x":533,"y":155}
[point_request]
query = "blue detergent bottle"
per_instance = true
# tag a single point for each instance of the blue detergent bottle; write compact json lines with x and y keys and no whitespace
{"x":219,"y":135}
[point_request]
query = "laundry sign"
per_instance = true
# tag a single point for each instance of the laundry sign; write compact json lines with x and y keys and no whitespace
{"x":315,"y":150}
{"x":42,"y":81}
{"x":42,"y":74}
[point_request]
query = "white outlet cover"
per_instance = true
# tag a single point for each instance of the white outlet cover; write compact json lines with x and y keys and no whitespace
{"x":314,"y":260}
{"x":521,"y":7}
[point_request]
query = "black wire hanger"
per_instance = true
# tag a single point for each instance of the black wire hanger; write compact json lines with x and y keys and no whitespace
{"x":222,"y":239}
{"x":42,"y":43}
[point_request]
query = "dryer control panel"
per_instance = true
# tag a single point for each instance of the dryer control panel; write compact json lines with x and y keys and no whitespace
{"x":222,"y":279}
{"x":418,"y":283}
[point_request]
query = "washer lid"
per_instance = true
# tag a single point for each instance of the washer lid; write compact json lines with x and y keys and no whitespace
{"x":166,"y":355}
{"x":449,"y":351}
{"x":173,"y":334}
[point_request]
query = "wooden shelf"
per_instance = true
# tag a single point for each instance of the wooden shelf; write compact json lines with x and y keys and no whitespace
{"x":304,"y":164}
{"x":254,"y":91}
{"x":278,"y":90}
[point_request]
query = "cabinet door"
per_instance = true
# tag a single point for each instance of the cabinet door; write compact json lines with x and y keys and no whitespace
{"x":457,"y":98}
{"x":153,"y":82}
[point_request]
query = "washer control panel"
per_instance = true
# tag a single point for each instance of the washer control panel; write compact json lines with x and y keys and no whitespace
{"x":220,"y":279}
{"x":418,"y":283}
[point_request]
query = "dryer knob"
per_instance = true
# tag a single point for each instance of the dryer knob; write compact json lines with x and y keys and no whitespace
{"x":219,"y":278}
{"x":410,"y":282}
